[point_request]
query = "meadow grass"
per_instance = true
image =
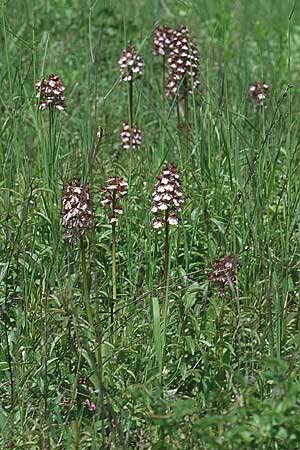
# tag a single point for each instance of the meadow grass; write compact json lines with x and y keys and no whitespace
{"x":180,"y":367}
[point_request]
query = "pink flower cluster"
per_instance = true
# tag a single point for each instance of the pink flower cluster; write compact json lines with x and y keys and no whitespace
{"x":224,"y":273}
{"x":131,"y":64}
{"x":259,"y":91}
{"x":50,"y":93}
{"x":91,"y":406}
{"x":115,"y":189}
{"x":162,"y":38}
{"x":131,"y":138}
{"x":77,"y":210}
{"x":183,"y":64}
{"x":167,"y":197}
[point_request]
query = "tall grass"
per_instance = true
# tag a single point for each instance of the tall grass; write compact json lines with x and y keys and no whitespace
{"x":204,"y":375}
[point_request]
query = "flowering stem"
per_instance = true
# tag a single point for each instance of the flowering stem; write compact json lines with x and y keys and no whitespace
{"x":86,"y":291}
{"x":51,"y":156}
{"x":113,"y":271}
{"x":164,"y":80}
{"x":99,"y":361}
{"x":165,"y":304}
{"x":178,"y":115}
{"x":98,"y":354}
{"x":167,"y":254}
{"x":93,"y":153}
{"x":113,"y":263}
{"x":131,"y":103}
{"x":166,"y":264}
{"x":186,"y":129}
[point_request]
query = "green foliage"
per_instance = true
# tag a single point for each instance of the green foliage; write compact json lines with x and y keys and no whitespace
{"x":205,"y":371}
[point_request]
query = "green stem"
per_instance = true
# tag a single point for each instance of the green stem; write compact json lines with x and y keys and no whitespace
{"x":130,"y":97}
{"x":45,"y":358}
{"x":167,"y":256}
{"x":131,"y":104}
{"x":113,"y":271}
{"x":164,"y":82}
{"x":99,"y":360}
{"x":178,"y":116}
{"x":186,"y":129}
{"x":165,"y":301}
{"x":98,"y":352}
{"x":86,"y":290}
{"x":51,"y":154}
{"x":166,"y":263}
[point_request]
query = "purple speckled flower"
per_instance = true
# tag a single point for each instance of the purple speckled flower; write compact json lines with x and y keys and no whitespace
{"x":90,"y":405}
{"x":114,"y":191}
{"x":131,"y":138}
{"x":77,"y":210}
{"x":162,"y":38}
{"x":131,"y":64}
{"x":50,"y":93}
{"x":224,"y":273}
{"x":183,"y":63}
{"x":259,"y":91}
{"x":167,"y":197}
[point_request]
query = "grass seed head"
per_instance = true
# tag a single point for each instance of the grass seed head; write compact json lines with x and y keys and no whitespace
{"x":50,"y":93}
{"x":167,"y":197}
{"x":131,"y":64}
{"x":77,"y":210}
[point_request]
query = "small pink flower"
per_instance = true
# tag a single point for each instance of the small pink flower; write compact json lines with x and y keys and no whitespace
{"x":162,"y":38}
{"x":131,"y":64}
{"x":224,"y":273}
{"x":91,"y":405}
{"x":183,"y":64}
{"x":167,"y":197}
{"x":77,"y":210}
{"x":50,"y":93}
{"x":259,"y":91}
{"x":115,"y":189}
{"x":131,"y":138}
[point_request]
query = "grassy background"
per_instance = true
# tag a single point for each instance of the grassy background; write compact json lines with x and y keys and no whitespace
{"x":208,"y":376}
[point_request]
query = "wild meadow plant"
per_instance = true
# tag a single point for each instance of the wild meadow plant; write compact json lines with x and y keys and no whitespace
{"x":162,"y":38}
{"x":224,"y":273}
{"x":167,"y":201}
{"x":131,"y":137}
{"x":51,"y":97}
{"x":78,"y":217}
{"x":131,"y":68}
{"x":227,"y":376}
{"x":259,"y":91}
{"x":114,"y":191}
{"x":183,"y":80}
